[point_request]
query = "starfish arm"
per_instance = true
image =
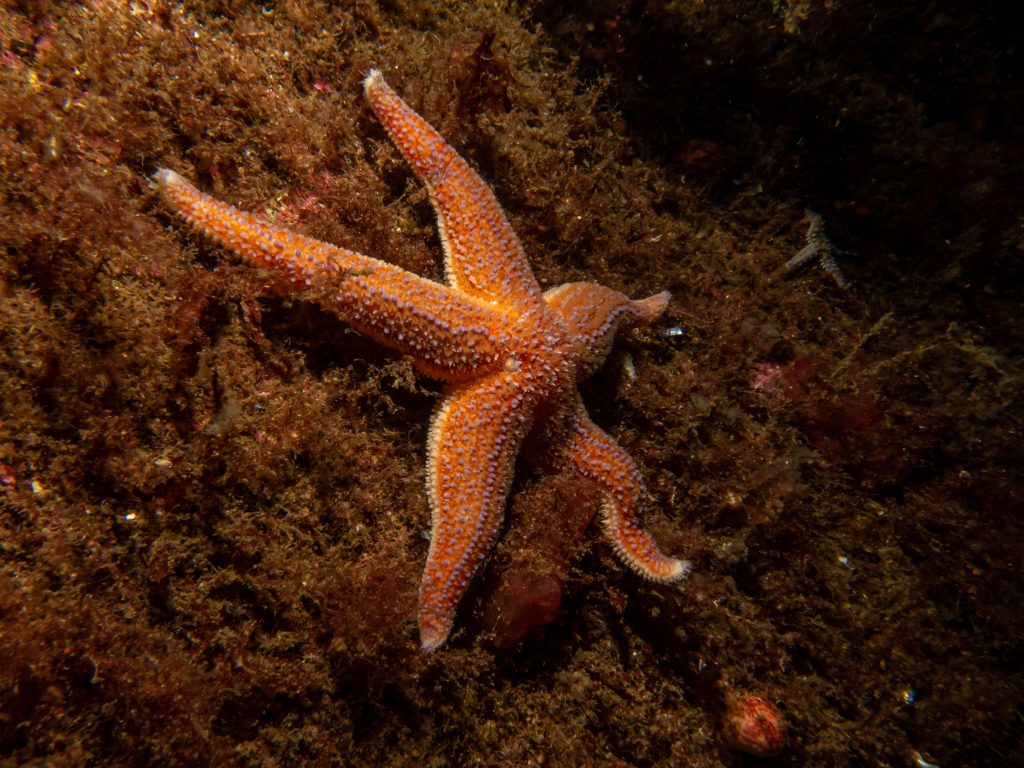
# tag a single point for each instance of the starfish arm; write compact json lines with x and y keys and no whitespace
{"x":483,"y":256}
{"x":571,"y":438}
{"x":448,"y":335}
{"x":804,"y":255}
{"x":475,"y":435}
{"x":593,"y":314}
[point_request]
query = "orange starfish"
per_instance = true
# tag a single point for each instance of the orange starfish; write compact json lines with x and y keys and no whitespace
{"x":511,"y":356}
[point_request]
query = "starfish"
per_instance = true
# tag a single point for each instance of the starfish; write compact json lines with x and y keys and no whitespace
{"x":510,"y":354}
{"x":818,"y":247}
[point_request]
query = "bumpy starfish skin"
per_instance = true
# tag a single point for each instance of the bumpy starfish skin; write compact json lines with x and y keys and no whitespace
{"x":511,"y":356}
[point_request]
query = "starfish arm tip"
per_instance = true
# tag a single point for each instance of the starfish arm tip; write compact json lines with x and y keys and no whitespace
{"x":429,"y":644}
{"x":658,"y":568}
{"x":654,"y":306}
{"x":678,"y":570}
{"x":640,"y":554}
{"x":166,"y":177}
{"x":372,"y":80}
{"x":433,"y":634}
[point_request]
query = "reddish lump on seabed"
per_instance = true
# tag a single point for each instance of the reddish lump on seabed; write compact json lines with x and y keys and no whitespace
{"x":552,"y":518}
{"x":524,"y":600}
{"x":754,"y":726}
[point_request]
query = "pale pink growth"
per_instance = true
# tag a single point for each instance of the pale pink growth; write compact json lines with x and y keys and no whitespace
{"x":766,"y":376}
